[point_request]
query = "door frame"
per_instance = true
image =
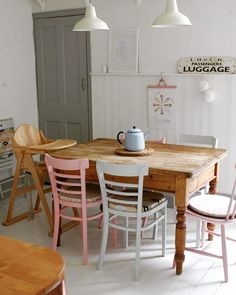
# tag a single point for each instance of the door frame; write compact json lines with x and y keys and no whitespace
{"x":71,"y":12}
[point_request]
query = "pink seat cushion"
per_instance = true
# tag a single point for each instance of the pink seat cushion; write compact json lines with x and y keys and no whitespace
{"x":211,"y":205}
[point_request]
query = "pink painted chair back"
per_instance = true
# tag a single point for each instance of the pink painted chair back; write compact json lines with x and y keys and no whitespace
{"x":69,"y":190}
{"x":161,"y":140}
{"x":215,"y":209}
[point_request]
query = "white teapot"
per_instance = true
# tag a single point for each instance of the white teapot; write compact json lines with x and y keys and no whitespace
{"x":134,"y":139}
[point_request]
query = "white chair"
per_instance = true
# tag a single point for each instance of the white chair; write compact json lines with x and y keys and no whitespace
{"x":123,"y":199}
{"x":216,"y":209}
{"x":204,"y":141}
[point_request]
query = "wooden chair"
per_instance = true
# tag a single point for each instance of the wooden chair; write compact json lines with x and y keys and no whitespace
{"x":69,"y":190}
{"x":121,"y":198}
{"x":24,"y":137}
{"x":30,"y":269}
{"x":28,"y":144}
{"x":216,"y":209}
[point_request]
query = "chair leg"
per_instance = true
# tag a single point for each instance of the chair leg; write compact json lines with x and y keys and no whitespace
{"x":164,"y":222}
{"x":155,"y":228}
{"x":84,"y":233}
{"x":63,"y":288}
{"x":100,"y":222}
{"x":114,"y":234}
{"x":224,"y":253}
{"x":104,"y":241}
{"x":126,"y":233}
{"x":56,"y":227}
{"x":30,"y":199}
{"x":203,"y":226}
{"x":144,"y":221}
{"x":198,"y":233}
{"x":138,"y":246}
{"x":173,"y":263}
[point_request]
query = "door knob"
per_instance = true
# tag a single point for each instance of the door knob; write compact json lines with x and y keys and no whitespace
{"x":83,"y":84}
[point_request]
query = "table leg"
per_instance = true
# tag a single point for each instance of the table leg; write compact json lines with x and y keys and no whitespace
{"x":181,"y":200}
{"x":180,"y":238}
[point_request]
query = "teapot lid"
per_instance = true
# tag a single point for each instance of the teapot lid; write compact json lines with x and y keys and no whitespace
{"x":134,"y":130}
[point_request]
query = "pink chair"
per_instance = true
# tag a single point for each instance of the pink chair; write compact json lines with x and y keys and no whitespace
{"x":216,"y":209}
{"x":161,"y":140}
{"x":69,"y":189}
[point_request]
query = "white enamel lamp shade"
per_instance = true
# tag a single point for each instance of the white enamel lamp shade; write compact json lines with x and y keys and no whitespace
{"x":171,"y":17}
{"x":90,"y":22}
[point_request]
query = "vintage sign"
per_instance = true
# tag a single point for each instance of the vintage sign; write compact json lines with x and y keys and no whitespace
{"x":207,"y":65}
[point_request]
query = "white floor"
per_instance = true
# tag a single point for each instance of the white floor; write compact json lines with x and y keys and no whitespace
{"x":201,"y":275}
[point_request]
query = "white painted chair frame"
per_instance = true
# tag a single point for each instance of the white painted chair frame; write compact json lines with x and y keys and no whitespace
{"x":228,"y":217}
{"x":204,"y":141}
{"x":111,"y":191}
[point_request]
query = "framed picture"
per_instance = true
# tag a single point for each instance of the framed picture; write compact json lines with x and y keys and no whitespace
{"x":162,"y":105}
{"x":123,"y":51}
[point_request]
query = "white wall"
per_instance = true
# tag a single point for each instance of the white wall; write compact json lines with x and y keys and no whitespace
{"x":17,"y":63}
{"x":121,"y":101}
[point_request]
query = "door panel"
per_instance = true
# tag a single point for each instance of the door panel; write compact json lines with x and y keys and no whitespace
{"x":62,"y":76}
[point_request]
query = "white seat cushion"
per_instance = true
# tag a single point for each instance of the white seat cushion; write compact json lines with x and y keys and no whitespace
{"x":210,"y":205}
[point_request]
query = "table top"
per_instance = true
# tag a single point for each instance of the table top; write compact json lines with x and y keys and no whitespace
{"x":28,"y":269}
{"x":166,"y":157}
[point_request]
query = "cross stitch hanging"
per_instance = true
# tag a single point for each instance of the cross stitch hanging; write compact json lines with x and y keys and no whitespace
{"x":162,"y":105}
{"x":6,"y":133}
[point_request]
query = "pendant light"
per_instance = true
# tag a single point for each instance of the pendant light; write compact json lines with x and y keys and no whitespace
{"x":90,"y":22}
{"x":171,"y":17}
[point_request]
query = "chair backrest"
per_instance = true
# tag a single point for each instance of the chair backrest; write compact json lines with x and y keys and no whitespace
{"x":67,"y":176}
{"x":231,"y":212}
{"x":119,"y":191}
{"x":161,"y":140}
{"x":200,"y":140}
{"x":27,"y":135}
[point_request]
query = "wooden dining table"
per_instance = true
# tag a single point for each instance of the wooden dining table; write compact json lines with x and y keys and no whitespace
{"x":179,"y":169}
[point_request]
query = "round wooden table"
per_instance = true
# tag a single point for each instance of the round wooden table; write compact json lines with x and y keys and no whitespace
{"x":29,"y":269}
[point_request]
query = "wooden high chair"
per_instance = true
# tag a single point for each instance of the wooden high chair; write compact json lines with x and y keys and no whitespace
{"x":28,"y":142}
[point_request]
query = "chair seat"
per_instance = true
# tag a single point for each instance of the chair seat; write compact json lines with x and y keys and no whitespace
{"x":93,"y":194}
{"x":210,"y":205}
{"x":150,"y":201}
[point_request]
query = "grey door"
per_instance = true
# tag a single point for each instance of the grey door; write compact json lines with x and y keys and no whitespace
{"x":63,"y":65}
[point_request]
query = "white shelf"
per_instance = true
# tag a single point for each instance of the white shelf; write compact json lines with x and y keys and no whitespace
{"x":159,"y":74}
